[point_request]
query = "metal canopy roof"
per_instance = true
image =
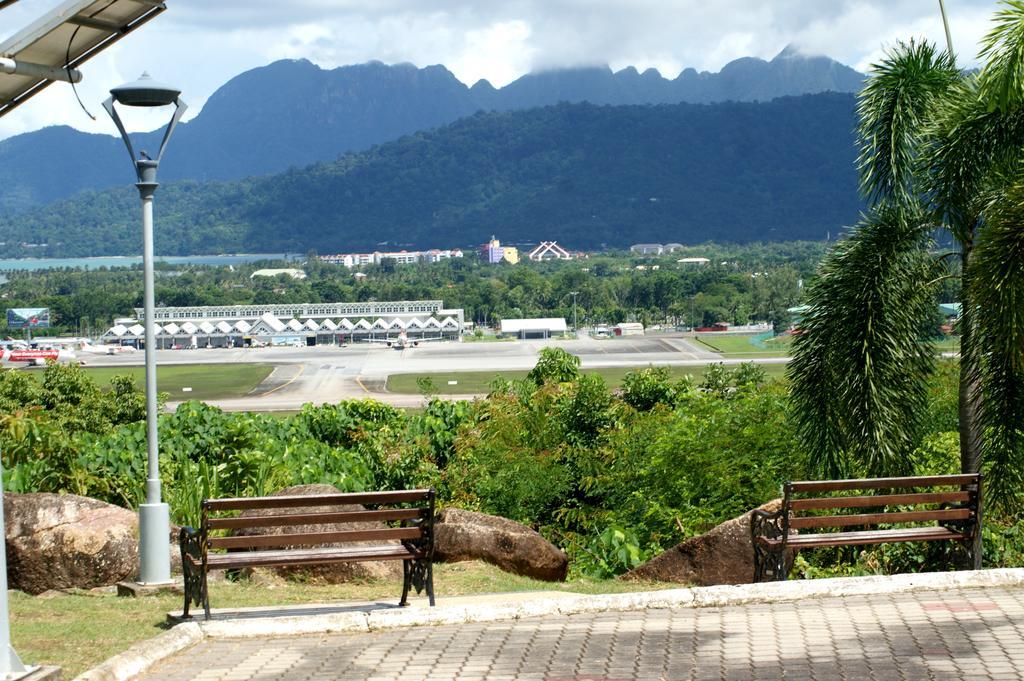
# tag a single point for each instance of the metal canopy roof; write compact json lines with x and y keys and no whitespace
{"x":67,"y":37}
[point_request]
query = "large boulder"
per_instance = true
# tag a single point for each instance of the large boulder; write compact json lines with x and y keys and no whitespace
{"x":334,"y":573}
{"x":466,"y":535}
{"x":725,"y":555}
{"x":63,"y":541}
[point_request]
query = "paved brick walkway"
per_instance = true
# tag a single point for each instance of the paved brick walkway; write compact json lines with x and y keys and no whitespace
{"x":955,"y":634}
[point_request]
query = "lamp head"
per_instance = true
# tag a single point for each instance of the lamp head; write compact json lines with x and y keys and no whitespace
{"x":145,"y":92}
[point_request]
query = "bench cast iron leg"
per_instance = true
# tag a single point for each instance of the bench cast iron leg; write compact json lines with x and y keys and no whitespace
{"x":206,"y":597}
{"x":406,"y":579}
{"x":188,"y":592}
{"x":430,"y":582}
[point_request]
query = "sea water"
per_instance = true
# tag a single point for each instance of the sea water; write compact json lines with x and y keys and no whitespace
{"x":128,"y":261}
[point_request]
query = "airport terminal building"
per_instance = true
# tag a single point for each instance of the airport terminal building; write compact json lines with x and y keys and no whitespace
{"x":222,"y":326}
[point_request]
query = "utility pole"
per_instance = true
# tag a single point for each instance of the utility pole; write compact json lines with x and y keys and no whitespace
{"x":575,"y":327}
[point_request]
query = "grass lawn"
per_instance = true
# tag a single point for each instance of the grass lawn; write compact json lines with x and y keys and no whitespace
{"x":79,"y":630}
{"x":475,"y":382}
{"x":735,"y":345}
{"x":208,"y":381}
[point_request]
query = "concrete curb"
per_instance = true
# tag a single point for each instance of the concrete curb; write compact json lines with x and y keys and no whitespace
{"x":141,"y":656}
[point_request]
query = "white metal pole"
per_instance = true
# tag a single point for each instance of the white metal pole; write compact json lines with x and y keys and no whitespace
{"x":154,"y":516}
{"x":10,"y":663}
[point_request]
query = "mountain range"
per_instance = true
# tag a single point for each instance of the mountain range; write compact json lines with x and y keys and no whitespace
{"x":586,"y":175}
{"x":292,"y":113}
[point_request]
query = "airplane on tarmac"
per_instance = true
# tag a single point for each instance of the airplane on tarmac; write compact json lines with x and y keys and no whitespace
{"x":89,"y":348}
{"x":36,"y":357}
{"x":403,"y":341}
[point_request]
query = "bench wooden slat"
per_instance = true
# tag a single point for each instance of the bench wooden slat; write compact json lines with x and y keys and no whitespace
{"x":282,"y":540}
{"x":877,"y":518}
{"x":291,"y":519}
{"x":882,"y":483}
{"x":910,"y":499}
{"x":866,"y":537}
{"x":349,"y":554}
{"x":256,"y":503}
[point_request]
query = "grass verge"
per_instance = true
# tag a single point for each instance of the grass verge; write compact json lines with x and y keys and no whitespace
{"x":207,"y":381}
{"x":476,"y":382}
{"x":80,"y":629}
{"x":742,"y":346}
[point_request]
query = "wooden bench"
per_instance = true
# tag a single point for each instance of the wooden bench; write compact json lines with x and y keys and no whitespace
{"x":410,"y":541}
{"x":937,"y":508}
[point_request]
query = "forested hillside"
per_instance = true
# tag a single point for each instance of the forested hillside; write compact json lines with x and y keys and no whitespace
{"x":588,"y":176}
{"x":293,"y":113}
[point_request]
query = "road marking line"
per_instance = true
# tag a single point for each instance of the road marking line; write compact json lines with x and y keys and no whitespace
{"x":302,"y":368}
{"x":362,"y":386}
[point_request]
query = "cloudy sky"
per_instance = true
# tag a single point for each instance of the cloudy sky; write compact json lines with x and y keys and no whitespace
{"x":199,"y":44}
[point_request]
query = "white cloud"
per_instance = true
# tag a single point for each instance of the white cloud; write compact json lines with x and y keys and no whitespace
{"x":200,"y":44}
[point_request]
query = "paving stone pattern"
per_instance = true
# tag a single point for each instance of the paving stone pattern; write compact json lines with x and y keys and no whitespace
{"x":955,"y":634}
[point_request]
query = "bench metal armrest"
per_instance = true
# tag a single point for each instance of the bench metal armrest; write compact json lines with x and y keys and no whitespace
{"x":769,"y":525}
{"x":190,"y":541}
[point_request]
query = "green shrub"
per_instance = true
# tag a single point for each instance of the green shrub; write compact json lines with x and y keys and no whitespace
{"x":647,"y":388}
{"x":557,"y":365}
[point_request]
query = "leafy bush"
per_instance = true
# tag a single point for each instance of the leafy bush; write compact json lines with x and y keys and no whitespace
{"x":557,"y":365}
{"x":611,"y":479}
{"x":647,"y":388}
{"x":612,"y":552}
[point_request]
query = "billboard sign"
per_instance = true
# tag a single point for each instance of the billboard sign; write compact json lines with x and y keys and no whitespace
{"x":28,"y":318}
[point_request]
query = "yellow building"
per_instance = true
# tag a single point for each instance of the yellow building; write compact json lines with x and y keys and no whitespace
{"x":511,"y":254}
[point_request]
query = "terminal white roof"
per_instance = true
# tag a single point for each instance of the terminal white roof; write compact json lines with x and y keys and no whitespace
{"x":549,"y":324}
{"x":137,"y":330}
{"x":223,"y":327}
{"x":329,"y":325}
{"x":272,"y":322}
{"x":291,"y":272}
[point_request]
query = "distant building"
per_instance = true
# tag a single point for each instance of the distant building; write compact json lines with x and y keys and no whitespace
{"x":693,"y":261}
{"x":293,"y":273}
{"x":493,"y":252}
{"x":950,"y":310}
{"x":672,"y":248}
{"x":647,"y":249}
{"x":549,"y":250}
{"x":629,"y":329}
{"x":351,"y":260}
{"x":534,"y":328}
{"x":303,"y":324}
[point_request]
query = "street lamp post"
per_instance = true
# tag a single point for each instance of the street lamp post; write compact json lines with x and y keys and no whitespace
{"x":154,"y":516}
{"x":945,"y":24}
{"x":575,"y":326}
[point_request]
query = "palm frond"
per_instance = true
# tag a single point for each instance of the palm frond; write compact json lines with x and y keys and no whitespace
{"x":996,"y":291}
{"x":1002,"y":78}
{"x":899,"y":96}
{"x":967,"y":147}
{"x":859,"y":366}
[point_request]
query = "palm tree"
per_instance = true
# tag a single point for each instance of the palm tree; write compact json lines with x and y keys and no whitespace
{"x":942,"y":169}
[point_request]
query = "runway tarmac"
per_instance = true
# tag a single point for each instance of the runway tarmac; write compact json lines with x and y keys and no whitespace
{"x":325,"y":374}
